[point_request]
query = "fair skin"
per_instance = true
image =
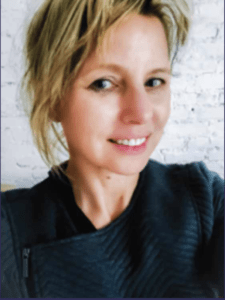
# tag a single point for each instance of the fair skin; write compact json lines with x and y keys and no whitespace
{"x":122,"y":93}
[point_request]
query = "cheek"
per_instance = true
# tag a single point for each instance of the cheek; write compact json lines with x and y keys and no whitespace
{"x":86,"y":117}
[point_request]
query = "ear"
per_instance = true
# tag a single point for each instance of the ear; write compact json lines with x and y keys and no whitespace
{"x":54,"y":114}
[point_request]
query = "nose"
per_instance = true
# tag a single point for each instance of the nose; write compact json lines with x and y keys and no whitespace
{"x":137,"y":106}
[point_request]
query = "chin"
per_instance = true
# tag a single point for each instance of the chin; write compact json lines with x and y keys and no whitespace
{"x":129,"y":167}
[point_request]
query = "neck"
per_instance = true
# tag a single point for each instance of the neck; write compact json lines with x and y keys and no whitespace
{"x":102,"y":195}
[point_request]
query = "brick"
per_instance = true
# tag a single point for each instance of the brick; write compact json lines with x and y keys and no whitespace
{"x":210,"y":81}
{"x":29,"y":161}
{"x":215,"y":154}
{"x":185,"y":98}
{"x":221,"y":31}
{"x":204,"y":64}
{"x":204,"y":30}
{"x":186,"y":83}
{"x":19,"y":128}
{"x":180,"y":113}
{"x":211,"y":11}
{"x":220,"y":67}
{"x":216,"y":129}
{"x":168,"y":140}
{"x":189,"y":129}
{"x":8,"y":100}
{"x":184,"y":157}
{"x":198,"y":144}
{"x":6,"y":43}
{"x":16,"y":5}
{"x":211,"y":113}
{"x":221,"y":98}
{"x":217,"y":142}
{"x":7,"y":77}
{"x":212,"y":49}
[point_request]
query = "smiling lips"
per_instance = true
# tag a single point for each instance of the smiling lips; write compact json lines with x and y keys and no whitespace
{"x":131,"y":142}
{"x":131,"y":147}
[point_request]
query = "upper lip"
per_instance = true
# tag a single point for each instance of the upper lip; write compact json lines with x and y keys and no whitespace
{"x":130,"y":137}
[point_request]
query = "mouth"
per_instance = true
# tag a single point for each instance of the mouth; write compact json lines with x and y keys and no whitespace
{"x":130,"y":142}
{"x":130,"y":147}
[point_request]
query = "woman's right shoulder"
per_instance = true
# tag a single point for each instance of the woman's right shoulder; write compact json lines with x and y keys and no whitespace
{"x":23,"y":210}
{"x":22,"y":194}
{"x":7,"y":198}
{"x":24,"y":201}
{"x":10,"y":283}
{"x":12,"y":195}
{"x":19,"y":208}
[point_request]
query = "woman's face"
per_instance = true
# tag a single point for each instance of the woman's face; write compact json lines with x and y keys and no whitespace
{"x":122,"y":93}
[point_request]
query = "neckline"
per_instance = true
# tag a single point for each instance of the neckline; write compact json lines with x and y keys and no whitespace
{"x":66,"y":185}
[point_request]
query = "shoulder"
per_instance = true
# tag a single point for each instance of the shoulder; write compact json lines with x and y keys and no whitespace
{"x":26,"y":216}
{"x":14,"y":195}
{"x":15,"y":203}
{"x":194,"y":171}
{"x":205,"y":187}
{"x":10,"y":275}
{"x":32,"y":200}
{"x":30,"y":214}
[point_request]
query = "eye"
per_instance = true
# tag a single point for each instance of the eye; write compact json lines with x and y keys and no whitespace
{"x":154,"y":82}
{"x":101,"y":85}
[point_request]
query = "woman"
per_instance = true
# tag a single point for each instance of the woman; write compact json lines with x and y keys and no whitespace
{"x":109,"y":222}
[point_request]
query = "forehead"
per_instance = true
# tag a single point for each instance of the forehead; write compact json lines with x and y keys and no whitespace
{"x":135,"y":40}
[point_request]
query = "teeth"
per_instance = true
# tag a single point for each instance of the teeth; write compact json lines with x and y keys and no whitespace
{"x":131,"y":142}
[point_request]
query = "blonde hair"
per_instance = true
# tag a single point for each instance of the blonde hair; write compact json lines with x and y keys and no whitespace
{"x":59,"y":38}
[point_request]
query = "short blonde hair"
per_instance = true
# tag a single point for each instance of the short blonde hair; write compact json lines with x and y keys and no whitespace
{"x":60,"y":37}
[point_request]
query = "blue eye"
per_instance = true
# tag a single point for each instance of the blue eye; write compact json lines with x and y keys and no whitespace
{"x":101,"y":85}
{"x":154,"y":82}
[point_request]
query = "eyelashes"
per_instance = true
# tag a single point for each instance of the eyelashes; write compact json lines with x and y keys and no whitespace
{"x":155,"y":82}
{"x":101,"y":85}
{"x":106,"y":85}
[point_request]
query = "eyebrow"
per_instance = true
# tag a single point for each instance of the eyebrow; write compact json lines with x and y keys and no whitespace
{"x":115,"y":67}
{"x":161,"y":70}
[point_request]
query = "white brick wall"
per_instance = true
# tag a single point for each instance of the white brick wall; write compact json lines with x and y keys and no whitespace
{"x":195,"y":130}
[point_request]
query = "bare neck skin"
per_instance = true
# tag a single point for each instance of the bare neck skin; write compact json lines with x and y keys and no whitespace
{"x":101,"y":195}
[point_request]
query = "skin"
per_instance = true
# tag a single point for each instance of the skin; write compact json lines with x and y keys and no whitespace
{"x":130,"y":100}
